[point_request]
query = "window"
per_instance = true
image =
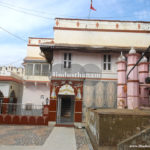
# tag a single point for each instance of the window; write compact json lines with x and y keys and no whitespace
{"x":45,"y":69}
{"x":107,"y":62}
{"x":29,"y":69}
{"x":37,"y":69}
{"x":67,"y":60}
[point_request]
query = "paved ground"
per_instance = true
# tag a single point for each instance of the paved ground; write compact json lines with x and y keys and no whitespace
{"x":43,"y":138}
{"x":82,"y":140}
{"x":24,"y":135}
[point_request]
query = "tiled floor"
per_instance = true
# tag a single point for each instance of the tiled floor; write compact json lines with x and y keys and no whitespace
{"x":82,"y":140}
{"x":37,"y":135}
{"x":24,"y":135}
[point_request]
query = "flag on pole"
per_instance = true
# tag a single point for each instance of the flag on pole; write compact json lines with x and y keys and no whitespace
{"x":91,"y":7}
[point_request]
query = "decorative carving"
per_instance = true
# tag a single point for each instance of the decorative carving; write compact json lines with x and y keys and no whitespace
{"x":52,"y":42}
{"x":57,"y":22}
{"x":53,"y":93}
{"x":78,"y":24}
{"x":139,"y":26}
{"x":97,"y":24}
{"x":117,"y":26}
{"x":66,"y":90}
{"x":78,"y":94}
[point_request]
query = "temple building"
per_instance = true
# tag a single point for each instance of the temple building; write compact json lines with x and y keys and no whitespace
{"x":83,"y":58}
{"x":77,"y":69}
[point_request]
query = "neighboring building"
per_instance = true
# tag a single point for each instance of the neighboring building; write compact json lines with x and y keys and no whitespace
{"x":11,"y":86}
{"x":36,"y":78}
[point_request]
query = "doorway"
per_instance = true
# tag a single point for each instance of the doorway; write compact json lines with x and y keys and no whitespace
{"x":65,"y":109}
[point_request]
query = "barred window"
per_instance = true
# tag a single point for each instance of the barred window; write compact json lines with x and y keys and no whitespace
{"x":29,"y":69}
{"x":37,"y":69}
{"x":67,"y":60}
{"x":107,"y":62}
{"x":45,"y":69}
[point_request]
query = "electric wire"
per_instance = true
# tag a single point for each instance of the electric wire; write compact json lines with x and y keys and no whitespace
{"x":12,"y":34}
{"x":25,"y":11}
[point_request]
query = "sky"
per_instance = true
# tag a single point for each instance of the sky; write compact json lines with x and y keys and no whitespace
{"x":35,"y":18}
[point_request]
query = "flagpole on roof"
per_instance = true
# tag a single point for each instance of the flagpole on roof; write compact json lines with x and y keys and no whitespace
{"x":89,"y":14}
{"x":91,"y":8}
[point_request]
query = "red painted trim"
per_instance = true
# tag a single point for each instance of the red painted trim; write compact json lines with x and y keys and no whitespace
{"x":103,"y":20}
{"x":78,"y":117}
{"x":78,"y":106}
{"x":141,"y":63}
{"x":34,"y":58}
{"x":23,"y":120}
{"x":130,"y":64}
{"x":33,"y":45}
{"x":83,"y":78}
{"x":100,"y":30}
{"x":40,"y":38}
{"x":143,"y":72}
{"x":9,"y":78}
{"x":121,"y":84}
{"x":120,"y":70}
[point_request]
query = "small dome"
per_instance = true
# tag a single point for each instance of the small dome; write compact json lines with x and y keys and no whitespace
{"x":132,"y":51}
{"x":144,"y":59}
{"x":121,"y":57}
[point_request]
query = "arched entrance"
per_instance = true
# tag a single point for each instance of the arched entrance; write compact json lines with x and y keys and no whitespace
{"x":12,"y":103}
{"x":65,"y":105}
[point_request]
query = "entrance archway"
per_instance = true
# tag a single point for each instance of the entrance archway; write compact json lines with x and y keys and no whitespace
{"x":65,"y":105}
{"x":12,"y":103}
{"x":1,"y":97}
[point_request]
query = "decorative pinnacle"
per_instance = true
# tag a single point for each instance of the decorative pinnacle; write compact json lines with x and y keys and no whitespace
{"x":132,"y":51}
{"x":121,"y":57}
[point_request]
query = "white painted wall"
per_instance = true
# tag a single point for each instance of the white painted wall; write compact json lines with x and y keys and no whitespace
{"x":71,"y":35}
{"x":18,"y":88}
{"x":32,"y":94}
{"x":84,"y":59}
{"x":103,"y":24}
{"x":4,"y":88}
{"x":93,"y":38}
{"x":34,"y":51}
{"x":7,"y":87}
{"x":33,"y":48}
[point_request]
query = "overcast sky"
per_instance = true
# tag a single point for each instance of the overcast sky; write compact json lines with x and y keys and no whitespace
{"x":35,"y":18}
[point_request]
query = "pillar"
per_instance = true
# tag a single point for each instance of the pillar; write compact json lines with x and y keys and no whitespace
{"x":121,"y":88}
{"x":133,"y":81}
{"x":143,"y":74}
